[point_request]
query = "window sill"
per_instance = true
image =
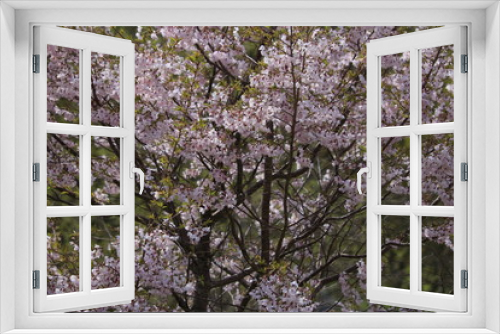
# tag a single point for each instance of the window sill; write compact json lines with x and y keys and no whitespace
{"x":250,"y":331}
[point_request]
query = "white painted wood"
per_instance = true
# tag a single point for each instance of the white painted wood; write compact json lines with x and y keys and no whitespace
{"x":86,"y":298}
{"x":492,"y":163}
{"x":419,"y":40}
{"x":86,"y":180}
{"x":75,"y":129}
{"x":470,"y":322}
{"x":127,"y":184}
{"x":461,"y":155}
{"x":414,"y":298}
{"x":415,"y":157}
{"x":82,"y":40}
{"x":78,"y":211}
{"x":247,"y":4}
{"x":372,"y":186}
{"x":255,"y":331}
{"x":420,"y":129}
{"x":407,"y":210}
{"x":7,"y":166}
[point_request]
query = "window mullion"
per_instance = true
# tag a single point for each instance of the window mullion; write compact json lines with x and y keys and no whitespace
{"x":414,"y":171}
{"x":85,"y":249}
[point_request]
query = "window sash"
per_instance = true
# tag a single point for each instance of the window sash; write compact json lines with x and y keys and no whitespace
{"x":414,"y":298}
{"x":86,"y":297}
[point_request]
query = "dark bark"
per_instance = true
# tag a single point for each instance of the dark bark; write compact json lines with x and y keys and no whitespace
{"x":266,"y":201}
{"x":200,"y":266}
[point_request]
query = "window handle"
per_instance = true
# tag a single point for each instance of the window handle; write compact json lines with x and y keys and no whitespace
{"x":135,"y":170}
{"x":368,"y":171}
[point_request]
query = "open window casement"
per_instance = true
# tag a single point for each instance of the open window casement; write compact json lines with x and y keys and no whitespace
{"x":416,"y":193}
{"x":84,"y":170}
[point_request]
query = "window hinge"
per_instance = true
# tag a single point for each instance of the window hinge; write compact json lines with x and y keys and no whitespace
{"x":36,"y":279}
{"x":464,"y":279}
{"x":465,"y":64}
{"x":36,"y":63}
{"x":464,"y":173}
{"x":36,"y":172}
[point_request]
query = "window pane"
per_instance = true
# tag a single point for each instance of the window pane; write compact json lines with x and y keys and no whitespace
{"x":105,"y":89}
{"x":105,"y":171}
{"x":437,"y":170}
{"x":395,"y":89}
{"x":395,"y":171}
{"x":437,"y":254}
{"x":395,"y":251}
{"x":105,"y":252}
{"x":437,"y":84}
{"x":63,"y":84}
{"x":63,"y":172}
{"x":63,"y":257}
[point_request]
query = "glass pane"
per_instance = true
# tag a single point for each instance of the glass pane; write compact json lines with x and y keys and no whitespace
{"x":395,"y":251}
{"x":63,"y":257}
{"x":437,"y":84}
{"x":105,"y":89}
{"x":63,"y":172}
{"x":437,"y":254}
{"x":105,"y":252}
{"x":395,"y":89}
{"x":437,"y":170}
{"x":395,"y":171}
{"x":63,"y":84}
{"x":105,"y":171}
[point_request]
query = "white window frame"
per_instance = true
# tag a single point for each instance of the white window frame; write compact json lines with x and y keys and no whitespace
{"x":413,"y":43}
{"x":483,"y":125}
{"x":86,"y":43}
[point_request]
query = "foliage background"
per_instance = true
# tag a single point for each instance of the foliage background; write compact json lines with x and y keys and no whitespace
{"x":250,"y":138}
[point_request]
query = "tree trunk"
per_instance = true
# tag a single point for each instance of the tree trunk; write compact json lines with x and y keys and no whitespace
{"x":266,"y":201}
{"x":201,"y":268}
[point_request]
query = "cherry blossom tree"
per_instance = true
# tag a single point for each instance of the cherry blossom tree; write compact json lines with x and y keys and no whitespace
{"x":250,"y":138}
